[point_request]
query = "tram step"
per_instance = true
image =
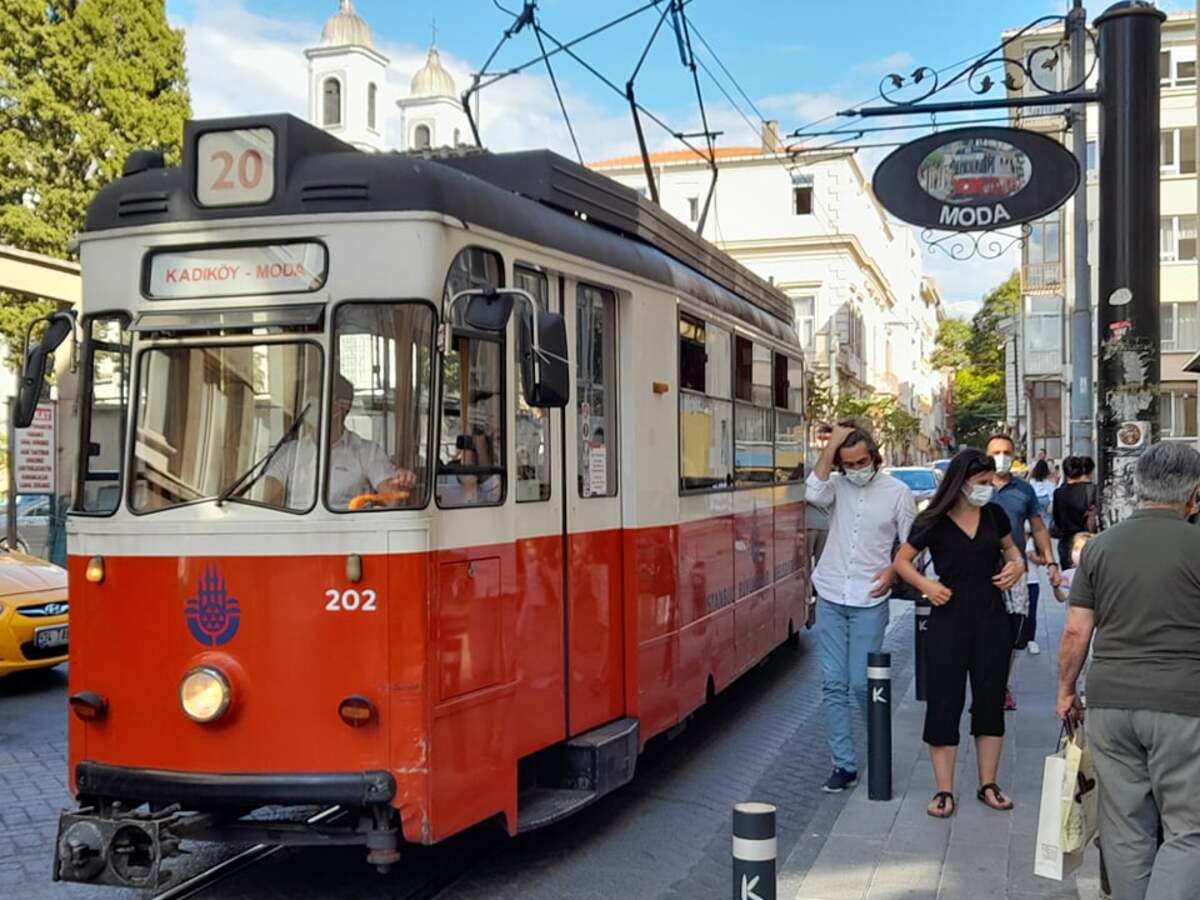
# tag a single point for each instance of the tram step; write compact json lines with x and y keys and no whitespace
{"x":577,"y":772}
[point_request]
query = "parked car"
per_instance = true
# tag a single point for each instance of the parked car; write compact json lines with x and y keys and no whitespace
{"x":33,"y":613}
{"x":921,"y":481}
{"x":940,"y":466}
{"x":34,"y":512}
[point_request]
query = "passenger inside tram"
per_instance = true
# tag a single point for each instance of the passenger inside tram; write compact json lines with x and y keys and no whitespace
{"x":358,"y":467}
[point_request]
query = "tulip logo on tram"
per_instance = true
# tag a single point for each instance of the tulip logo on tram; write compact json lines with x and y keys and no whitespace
{"x":429,"y":489}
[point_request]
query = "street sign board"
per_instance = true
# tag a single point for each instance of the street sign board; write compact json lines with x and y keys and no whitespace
{"x":33,"y":453}
{"x":976,"y":179}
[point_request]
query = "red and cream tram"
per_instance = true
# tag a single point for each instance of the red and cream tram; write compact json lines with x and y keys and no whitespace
{"x":445,"y":484}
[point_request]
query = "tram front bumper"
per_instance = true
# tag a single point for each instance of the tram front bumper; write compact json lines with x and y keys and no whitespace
{"x":107,"y":841}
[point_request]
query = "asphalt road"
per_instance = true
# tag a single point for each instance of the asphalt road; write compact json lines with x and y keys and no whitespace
{"x":664,"y":835}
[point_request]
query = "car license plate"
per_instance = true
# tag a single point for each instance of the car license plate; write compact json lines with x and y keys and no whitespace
{"x":52,"y":636}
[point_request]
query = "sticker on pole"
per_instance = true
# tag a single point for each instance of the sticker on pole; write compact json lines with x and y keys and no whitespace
{"x":33,"y":453}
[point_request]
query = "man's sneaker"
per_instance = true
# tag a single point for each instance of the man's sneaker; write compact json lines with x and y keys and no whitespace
{"x":839,"y":781}
{"x":1010,"y":702}
{"x":1033,"y":648}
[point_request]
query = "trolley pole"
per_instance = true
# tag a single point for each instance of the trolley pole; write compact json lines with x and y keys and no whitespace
{"x":754,"y":849}
{"x":879,"y":726}
{"x":1130,"y":35}
{"x":1082,"y":415}
{"x":922,"y":610}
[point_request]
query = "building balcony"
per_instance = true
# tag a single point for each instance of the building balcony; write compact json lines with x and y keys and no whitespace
{"x":1042,"y":277}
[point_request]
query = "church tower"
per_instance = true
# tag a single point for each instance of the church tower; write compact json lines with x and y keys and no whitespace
{"x":346,"y":76}
{"x":432,"y":115}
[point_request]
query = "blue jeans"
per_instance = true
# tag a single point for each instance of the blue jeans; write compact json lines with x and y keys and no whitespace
{"x":845,"y":635}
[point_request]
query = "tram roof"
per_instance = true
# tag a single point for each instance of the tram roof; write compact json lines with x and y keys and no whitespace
{"x":537,"y":196}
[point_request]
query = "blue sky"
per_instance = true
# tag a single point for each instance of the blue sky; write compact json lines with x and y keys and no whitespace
{"x":799,"y":61}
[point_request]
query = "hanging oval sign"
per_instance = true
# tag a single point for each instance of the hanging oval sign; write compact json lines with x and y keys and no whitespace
{"x":976,"y":179}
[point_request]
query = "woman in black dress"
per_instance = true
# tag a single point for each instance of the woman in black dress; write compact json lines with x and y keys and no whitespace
{"x":1072,"y":503}
{"x":970,"y":633}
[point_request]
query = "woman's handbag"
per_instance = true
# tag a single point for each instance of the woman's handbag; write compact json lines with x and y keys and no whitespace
{"x":902,"y":590}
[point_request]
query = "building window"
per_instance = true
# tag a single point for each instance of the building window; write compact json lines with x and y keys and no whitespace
{"x":693,"y":209}
{"x":705,"y":408}
{"x":596,"y":390}
{"x":371,"y":93}
{"x":421,"y":137}
{"x":533,"y":424}
{"x":331,"y":95}
{"x":1177,"y":408}
{"x":1090,"y":157}
{"x":806,"y":320}
{"x":1177,"y":66}
{"x":1177,"y":153}
{"x":1180,"y":331}
{"x":802,"y":201}
{"x":1178,"y":238}
{"x":1043,"y":255}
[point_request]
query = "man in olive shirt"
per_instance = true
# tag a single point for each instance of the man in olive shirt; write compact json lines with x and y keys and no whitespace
{"x":1138,"y":588}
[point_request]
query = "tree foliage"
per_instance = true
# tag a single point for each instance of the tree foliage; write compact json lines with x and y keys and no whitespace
{"x":82,"y":83}
{"x":893,"y":427}
{"x":975,"y":352}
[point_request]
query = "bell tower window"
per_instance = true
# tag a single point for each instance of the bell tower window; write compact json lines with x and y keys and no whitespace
{"x":371,"y":92}
{"x":421,"y":137}
{"x":331,"y":100}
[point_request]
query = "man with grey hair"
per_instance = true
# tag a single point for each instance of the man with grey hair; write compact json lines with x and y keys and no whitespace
{"x":1138,"y":588}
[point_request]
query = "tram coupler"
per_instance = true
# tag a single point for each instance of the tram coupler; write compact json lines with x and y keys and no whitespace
{"x":118,"y":847}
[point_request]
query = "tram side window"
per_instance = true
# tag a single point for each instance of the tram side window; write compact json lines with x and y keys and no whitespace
{"x":533,"y":424}
{"x":705,"y":407}
{"x":596,"y":390}
{"x":471,"y":444}
{"x":106,"y":368}
{"x":789,"y":419}
{"x":380,"y":411}
{"x":754,"y":456}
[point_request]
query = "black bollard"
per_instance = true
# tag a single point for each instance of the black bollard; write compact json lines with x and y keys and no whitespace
{"x":922,"y":608}
{"x":879,"y":726}
{"x":754,"y":851}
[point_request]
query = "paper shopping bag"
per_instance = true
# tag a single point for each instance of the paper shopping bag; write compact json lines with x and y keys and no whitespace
{"x":1051,"y":860}
{"x":1079,"y":799}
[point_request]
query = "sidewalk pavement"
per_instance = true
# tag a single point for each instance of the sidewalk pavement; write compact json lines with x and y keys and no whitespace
{"x":893,"y":850}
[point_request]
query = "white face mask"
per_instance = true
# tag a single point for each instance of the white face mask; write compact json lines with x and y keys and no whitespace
{"x":860,"y":477}
{"x":978,"y":494}
{"x":1003,"y":463}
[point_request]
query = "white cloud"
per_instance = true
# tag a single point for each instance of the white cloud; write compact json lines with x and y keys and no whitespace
{"x":894,"y":62}
{"x":969,"y":281}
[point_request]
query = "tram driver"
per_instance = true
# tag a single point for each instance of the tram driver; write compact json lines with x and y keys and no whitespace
{"x":357,"y":466}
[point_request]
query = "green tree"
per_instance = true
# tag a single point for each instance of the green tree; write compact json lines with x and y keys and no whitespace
{"x":82,"y":83}
{"x":975,"y":352}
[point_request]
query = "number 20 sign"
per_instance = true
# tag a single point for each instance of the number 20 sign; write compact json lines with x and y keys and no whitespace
{"x":235,"y":168}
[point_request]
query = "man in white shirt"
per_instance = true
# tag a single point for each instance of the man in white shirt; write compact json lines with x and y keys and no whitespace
{"x":357,"y":466}
{"x":871,"y":512}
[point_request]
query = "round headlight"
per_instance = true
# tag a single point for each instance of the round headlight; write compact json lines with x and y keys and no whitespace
{"x":204,"y":694}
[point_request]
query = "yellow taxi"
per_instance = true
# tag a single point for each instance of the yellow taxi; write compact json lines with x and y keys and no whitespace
{"x":33,"y":613}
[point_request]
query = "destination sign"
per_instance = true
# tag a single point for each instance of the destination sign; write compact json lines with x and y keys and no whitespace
{"x":972,"y":179}
{"x":237,"y":271}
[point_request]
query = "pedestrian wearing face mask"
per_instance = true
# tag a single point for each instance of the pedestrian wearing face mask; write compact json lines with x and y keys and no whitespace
{"x":970,"y":539}
{"x":1019,"y":501}
{"x":871,"y":512}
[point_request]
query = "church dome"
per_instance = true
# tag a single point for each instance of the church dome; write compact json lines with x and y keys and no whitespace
{"x":346,"y":28}
{"x":432,"y":80}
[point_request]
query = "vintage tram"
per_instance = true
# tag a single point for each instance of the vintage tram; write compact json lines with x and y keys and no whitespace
{"x":444,"y":484}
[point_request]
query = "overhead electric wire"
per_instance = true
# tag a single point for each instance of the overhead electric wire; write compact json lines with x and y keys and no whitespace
{"x":537,"y":30}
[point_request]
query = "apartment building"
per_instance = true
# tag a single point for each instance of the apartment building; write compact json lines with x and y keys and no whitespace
{"x":865,"y":312}
{"x":1040,"y":375}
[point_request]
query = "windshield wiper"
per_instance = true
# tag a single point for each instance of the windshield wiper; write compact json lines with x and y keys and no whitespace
{"x":261,"y":464}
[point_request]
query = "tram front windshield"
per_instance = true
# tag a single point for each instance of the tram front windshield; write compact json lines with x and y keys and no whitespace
{"x":242,"y":422}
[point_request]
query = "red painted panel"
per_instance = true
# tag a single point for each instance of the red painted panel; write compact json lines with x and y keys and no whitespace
{"x":538,"y":644}
{"x":596,"y":623}
{"x":791,"y":546}
{"x":468,"y":626}
{"x":705,"y":567}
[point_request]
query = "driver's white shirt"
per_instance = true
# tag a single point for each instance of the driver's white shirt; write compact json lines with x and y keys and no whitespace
{"x":356,"y":466}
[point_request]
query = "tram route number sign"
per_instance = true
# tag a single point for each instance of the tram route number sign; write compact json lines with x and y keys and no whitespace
{"x":33,"y":453}
{"x":235,"y":168}
{"x":976,"y":179}
{"x":236,"y":271}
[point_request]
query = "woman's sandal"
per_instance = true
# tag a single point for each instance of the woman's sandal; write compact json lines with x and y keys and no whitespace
{"x":1005,"y":803}
{"x":942,"y":813}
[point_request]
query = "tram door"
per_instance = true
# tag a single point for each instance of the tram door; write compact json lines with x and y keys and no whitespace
{"x":595,"y":660}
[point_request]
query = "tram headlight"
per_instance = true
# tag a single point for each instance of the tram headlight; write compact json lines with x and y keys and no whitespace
{"x":204,"y":694}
